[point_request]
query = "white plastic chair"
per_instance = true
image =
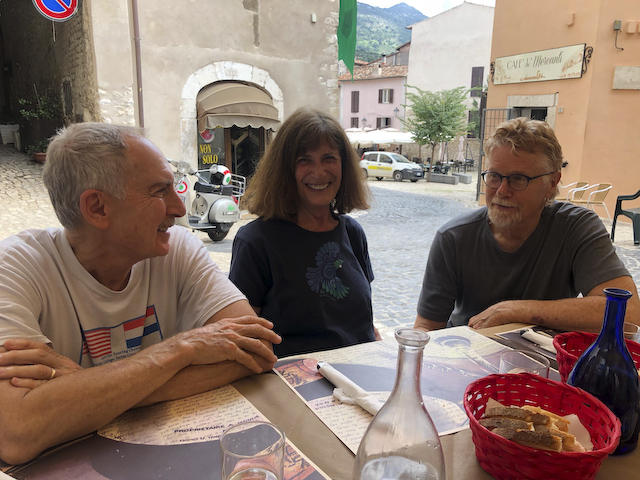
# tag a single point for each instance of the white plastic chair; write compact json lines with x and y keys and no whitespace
{"x":595,"y":198}
{"x":573,"y":188}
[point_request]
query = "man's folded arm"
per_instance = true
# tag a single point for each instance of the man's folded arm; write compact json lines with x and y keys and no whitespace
{"x":568,"y":314}
{"x":33,"y":419}
{"x":201,"y":378}
{"x":77,"y":403}
{"x":425,"y":324}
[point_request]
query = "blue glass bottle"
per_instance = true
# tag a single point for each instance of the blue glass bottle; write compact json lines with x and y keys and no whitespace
{"x":606,"y":370}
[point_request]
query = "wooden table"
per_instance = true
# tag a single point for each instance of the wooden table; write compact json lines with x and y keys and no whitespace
{"x":277,"y":402}
{"x":283,"y":407}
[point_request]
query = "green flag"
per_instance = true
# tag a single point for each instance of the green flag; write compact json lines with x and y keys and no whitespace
{"x":347,"y":28}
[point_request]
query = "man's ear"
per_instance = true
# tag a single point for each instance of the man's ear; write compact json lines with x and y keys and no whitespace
{"x":555,"y":180}
{"x":94,"y":208}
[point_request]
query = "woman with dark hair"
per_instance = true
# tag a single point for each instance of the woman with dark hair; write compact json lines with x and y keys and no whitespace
{"x":304,"y":264}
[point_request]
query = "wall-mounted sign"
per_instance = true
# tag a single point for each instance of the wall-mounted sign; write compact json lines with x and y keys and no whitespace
{"x":554,"y":64}
{"x":57,"y":10}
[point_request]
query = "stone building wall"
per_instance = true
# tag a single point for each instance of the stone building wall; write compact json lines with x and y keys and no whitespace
{"x":412,"y":150}
{"x":287,"y":47}
{"x":48,"y":59}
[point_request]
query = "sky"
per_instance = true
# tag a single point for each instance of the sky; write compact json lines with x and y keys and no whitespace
{"x":428,"y":7}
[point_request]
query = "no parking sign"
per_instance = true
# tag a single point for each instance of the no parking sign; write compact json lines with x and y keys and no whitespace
{"x":57,"y":10}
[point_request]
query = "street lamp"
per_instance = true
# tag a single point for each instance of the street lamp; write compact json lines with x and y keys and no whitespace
{"x":396,"y":111}
{"x":364,"y":122}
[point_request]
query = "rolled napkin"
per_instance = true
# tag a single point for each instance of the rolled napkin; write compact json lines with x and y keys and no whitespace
{"x":543,"y":341}
{"x":347,"y":391}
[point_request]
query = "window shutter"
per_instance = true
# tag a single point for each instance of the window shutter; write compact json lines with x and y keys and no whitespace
{"x":379,"y":96}
{"x":355,"y":102}
{"x":391,"y":95}
{"x":378,"y":121}
{"x":476,"y":81}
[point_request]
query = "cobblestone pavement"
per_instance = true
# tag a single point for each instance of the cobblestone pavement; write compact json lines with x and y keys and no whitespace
{"x":400,"y":227}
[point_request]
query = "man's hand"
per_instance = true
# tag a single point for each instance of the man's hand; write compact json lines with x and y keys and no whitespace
{"x":498,"y":314}
{"x":28,"y":363}
{"x":246,"y":340}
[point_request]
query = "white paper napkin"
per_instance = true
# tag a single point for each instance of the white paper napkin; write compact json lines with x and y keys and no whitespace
{"x":347,"y":391}
{"x":543,"y":341}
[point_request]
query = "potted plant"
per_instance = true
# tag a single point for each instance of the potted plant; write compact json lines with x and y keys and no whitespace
{"x":41,"y":116}
{"x":38,"y":150}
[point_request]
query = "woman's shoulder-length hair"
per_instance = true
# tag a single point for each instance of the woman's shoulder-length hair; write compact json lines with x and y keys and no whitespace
{"x":272,"y":191}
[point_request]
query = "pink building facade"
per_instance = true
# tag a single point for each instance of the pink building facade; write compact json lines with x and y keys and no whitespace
{"x":374,"y":98}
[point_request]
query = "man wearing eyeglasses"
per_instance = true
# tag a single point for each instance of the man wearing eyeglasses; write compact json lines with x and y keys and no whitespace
{"x":524,"y":257}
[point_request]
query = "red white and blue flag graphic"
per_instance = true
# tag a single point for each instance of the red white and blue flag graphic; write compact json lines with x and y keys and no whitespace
{"x":113,"y":343}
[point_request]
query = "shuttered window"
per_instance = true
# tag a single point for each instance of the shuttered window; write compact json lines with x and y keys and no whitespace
{"x":355,"y":102}
{"x":476,"y":81}
{"x":385,"y":95}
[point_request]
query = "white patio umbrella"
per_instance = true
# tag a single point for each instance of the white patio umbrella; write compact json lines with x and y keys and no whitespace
{"x":356,"y":137}
{"x":387,"y":137}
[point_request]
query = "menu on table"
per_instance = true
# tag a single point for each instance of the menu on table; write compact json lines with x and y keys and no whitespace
{"x":169,"y":440}
{"x":453,"y":358}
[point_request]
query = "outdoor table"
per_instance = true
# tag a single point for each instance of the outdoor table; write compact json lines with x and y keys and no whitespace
{"x":282,"y":406}
{"x":315,"y":439}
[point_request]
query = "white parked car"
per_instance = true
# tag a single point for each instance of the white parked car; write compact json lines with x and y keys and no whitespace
{"x":390,"y":165}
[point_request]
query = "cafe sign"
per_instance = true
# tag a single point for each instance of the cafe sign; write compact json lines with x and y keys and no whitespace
{"x":554,"y":64}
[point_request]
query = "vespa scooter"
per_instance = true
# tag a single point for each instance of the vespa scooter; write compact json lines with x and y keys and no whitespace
{"x":212,"y":204}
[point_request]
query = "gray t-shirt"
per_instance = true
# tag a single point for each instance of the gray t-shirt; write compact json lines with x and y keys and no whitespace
{"x":568,"y":253}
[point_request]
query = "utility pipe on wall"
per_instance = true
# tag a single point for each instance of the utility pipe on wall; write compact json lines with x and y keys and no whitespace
{"x":136,"y":39}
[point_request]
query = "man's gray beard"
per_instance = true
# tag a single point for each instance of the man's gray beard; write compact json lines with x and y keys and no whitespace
{"x":503,"y":219}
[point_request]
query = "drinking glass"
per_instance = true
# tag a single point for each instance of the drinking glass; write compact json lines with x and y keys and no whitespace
{"x":517,"y":361}
{"x":631,"y":331}
{"x":252,"y":451}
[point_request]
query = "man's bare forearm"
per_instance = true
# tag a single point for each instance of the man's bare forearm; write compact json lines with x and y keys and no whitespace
{"x":79,"y":402}
{"x":197,"y":379}
{"x":76,"y":404}
{"x":426,"y":325}
{"x":583,"y":313}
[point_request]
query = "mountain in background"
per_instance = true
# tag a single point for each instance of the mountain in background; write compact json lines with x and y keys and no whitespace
{"x":382,"y":30}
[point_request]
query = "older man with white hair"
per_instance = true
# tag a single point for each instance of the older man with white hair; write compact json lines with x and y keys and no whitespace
{"x":117,"y":309}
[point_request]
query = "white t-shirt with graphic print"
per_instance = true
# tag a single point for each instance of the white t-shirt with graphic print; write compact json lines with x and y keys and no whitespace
{"x":47,"y":296}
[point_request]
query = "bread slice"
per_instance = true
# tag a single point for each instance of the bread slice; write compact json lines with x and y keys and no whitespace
{"x":506,"y":412}
{"x":529,"y":438}
{"x":556,"y":420}
{"x":495,"y":422}
{"x":531,"y":426}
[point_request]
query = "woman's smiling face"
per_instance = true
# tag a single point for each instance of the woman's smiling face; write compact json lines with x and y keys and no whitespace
{"x":318,"y":175}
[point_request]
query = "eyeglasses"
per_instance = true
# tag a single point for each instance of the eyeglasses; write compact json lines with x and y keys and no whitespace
{"x":517,"y":181}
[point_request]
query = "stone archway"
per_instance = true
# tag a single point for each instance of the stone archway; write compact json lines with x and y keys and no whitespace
{"x":215,"y":72}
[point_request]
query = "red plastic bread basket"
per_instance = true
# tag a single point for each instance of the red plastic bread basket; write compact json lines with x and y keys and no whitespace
{"x":570,"y":345}
{"x":507,"y":460}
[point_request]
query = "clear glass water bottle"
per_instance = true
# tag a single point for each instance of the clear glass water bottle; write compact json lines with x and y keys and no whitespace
{"x":607,"y":371}
{"x":401,"y":442}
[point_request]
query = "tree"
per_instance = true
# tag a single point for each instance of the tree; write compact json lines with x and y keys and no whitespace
{"x":436,"y":117}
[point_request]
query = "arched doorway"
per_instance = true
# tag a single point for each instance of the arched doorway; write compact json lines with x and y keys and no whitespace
{"x":240,"y":138}
{"x":234,"y":120}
